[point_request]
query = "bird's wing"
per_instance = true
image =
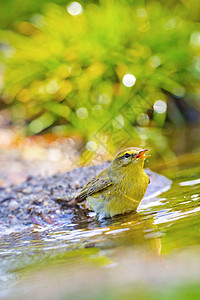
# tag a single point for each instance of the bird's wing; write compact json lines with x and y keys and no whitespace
{"x":97,"y":184}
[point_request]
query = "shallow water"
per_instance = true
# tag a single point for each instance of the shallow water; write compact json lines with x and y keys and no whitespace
{"x":157,"y":245}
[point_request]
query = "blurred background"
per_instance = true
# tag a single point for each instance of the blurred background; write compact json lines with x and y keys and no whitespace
{"x":89,"y":77}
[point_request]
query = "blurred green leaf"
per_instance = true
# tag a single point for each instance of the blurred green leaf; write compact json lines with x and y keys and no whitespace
{"x":56,"y":64}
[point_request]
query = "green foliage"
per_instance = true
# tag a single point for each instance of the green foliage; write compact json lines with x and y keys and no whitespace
{"x":12,"y":11}
{"x":66,"y":72}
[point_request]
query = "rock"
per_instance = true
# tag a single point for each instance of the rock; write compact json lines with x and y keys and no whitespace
{"x":27,"y":190}
{"x":13,"y":205}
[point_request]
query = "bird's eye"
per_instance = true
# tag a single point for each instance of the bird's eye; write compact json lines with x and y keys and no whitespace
{"x":126,"y":155}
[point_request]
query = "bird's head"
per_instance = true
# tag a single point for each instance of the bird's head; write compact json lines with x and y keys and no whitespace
{"x":129,"y":156}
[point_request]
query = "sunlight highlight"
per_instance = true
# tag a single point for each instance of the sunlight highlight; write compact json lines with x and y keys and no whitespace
{"x":143,"y":119}
{"x":160,"y":106}
{"x":91,"y":146}
{"x":129,"y":80}
{"x":82,"y":113}
{"x":75,"y":9}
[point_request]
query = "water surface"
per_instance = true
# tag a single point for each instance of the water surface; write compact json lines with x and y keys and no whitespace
{"x":154,"y":250}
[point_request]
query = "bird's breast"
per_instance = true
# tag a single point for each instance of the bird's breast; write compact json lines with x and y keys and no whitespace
{"x":134,"y":186}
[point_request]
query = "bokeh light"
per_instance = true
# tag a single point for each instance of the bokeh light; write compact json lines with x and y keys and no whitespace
{"x":155,"y":61}
{"x":160,"y":106}
{"x":179,"y":91}
{"x":91,"y":146}
{"x":129,"y":80}
{"x":143,"y":119}
{"x":104,"y":99}
{"x":82,"y":113}
{"x":52,"y":87}
{"x":118,"y":122}
{"x":195,"y":39}
{"x":75,"y":9}
{"x":142,"y":12}
{"x":36,"y":126}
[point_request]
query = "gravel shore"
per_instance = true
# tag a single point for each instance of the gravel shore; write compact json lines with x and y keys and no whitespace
{"x":43,"y":200}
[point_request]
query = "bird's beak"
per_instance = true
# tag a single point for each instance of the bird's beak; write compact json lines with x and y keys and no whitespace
{"x":142,"y":154}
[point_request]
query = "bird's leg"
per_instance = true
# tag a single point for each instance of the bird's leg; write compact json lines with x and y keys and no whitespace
{"x":72,"y":202}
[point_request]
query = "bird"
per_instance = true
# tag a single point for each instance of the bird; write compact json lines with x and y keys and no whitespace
{"x":119,"y":188}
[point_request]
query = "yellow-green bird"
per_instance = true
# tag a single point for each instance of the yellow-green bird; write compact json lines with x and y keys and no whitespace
{"x":119,"y":188}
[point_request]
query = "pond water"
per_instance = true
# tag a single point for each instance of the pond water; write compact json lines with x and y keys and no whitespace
{"x":152,"y":254}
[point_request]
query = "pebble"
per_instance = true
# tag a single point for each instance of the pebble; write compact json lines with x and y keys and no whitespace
{"x":13,"y":205}
{"x":27,"y":190}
